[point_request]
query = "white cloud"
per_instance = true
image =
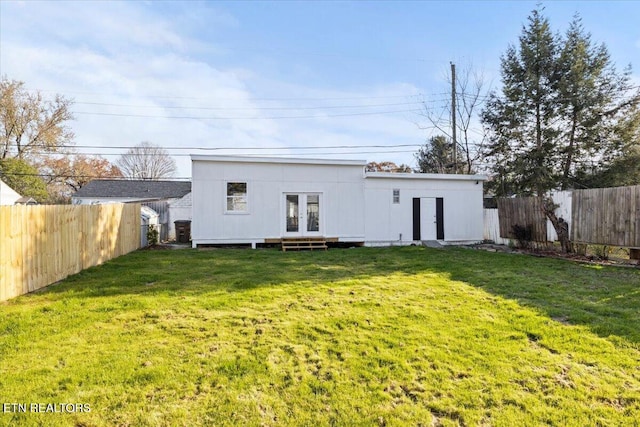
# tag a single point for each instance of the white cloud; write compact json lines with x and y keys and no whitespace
{"x":141,"y":63}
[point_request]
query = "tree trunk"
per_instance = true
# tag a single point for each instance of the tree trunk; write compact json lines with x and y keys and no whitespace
{"x":559,"y":224}
{"x":570,"y":150}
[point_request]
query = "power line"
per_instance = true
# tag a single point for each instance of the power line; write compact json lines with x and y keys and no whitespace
{"x":353,"y":152}
{"x":51,"y":175}
{"x":322,"y":98}
{"x":149,"y":116}
{"x":499,"y":94}
{"x":174,"y":107}
{"x":256,"y":148}
{"x":119,"y":178}
{"x":334,"y":150}
{"x":279,"y":155}
{"x":354,"y":149}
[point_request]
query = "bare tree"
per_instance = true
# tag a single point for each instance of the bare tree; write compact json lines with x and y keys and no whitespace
{"x":471,"y":93}
{"x":146,"y":161}
{"x":30,"y":124}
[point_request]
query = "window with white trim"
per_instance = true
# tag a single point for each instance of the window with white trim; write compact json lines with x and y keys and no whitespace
{"x":237,"y":197}
{"x":396,"y":195}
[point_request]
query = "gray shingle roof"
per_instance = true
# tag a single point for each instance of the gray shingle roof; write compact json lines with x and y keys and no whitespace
{"x":134,"y":188}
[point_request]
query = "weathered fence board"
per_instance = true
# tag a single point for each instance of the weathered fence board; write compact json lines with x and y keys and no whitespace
{"x":607,"y":216}
{"x":40,"y":245}
{"x":525,"y":212}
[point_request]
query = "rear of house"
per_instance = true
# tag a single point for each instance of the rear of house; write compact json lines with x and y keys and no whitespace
{"x":404,"y":208}
{"x":250,"y":200}
{"x":257,"y":200}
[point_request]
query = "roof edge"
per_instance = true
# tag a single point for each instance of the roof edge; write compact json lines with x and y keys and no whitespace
{"x":285,"y":160}
{"x":121,"y":179}
{"x":431,"y":176}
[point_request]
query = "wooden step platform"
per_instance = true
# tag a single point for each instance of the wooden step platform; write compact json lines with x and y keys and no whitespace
{"x":303,"y":243}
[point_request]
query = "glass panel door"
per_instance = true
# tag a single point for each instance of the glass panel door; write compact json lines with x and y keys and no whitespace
{"x":292,"y":210}
{"x":313,"y":213}
{"x":302,"y":214}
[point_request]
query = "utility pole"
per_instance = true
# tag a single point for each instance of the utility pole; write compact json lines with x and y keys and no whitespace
{"x":453,"y":117}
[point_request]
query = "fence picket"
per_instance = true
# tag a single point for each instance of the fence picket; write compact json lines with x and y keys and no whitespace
{"x":607,"y":216}
{"x":40,"y":245}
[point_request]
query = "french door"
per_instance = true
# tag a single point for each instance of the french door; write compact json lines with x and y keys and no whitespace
{"x":302,"y":214}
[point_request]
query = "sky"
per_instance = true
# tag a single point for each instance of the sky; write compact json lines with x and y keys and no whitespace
{"x":312,"y":79}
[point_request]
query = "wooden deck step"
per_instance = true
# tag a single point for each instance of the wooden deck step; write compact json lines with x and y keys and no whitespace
{"x":303,"y":243}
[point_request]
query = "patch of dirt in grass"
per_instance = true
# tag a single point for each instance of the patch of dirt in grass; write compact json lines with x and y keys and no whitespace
{"x":562,"y":319}
{"x":167,"y":246}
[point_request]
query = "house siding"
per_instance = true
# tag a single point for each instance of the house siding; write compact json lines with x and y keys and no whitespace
{"x":8,"y":196}
{"x":389,"y":223}
{"x":340,"y":187}
{"x":355,"y":207}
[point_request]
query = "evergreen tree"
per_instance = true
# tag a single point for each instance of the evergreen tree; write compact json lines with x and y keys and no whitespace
{"x":563,"y":113}
{"x":599,"y":118}
{"x":436,"y":156}
{"x":521,"y":120}
{"x":23,"y":178}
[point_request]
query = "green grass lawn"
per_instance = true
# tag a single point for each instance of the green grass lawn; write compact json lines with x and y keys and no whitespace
{"x":372,"y":337}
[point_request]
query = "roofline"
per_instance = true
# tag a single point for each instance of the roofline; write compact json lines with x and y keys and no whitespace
{"x":123,"y":179}
{"x":429,"y":176}
{"x":125,"y":199}
{"x":285,"y":160}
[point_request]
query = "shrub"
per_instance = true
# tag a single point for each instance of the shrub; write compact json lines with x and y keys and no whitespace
{"x":152,"y":235}
{"x":524,"y":235}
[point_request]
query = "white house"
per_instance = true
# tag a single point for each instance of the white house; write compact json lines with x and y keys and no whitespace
{"x":170,"y":199}
{"x":411,"y":207}
{"x":8,"y":196}
{"x":148,"y":218}
{"x":257,"y":200}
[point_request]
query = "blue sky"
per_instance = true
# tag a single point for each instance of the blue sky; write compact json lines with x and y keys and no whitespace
{"x":262,"y":77}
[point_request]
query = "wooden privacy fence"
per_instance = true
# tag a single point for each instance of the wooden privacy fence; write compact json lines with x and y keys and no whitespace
{"x":607,"y":216}
{"x":525,"y":212}
{"x":40,"y":245}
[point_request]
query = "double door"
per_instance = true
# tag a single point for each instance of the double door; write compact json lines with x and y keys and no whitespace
{"x":302,"y":214}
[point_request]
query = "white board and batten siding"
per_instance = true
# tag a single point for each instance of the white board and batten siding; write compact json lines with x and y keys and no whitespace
{"x":8,"y":196}
{"x":354,"y":206}
{"x":338,"y":184}
{"x":390,"y":220}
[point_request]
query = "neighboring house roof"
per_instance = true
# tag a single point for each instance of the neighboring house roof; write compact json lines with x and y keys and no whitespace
{"x":138,"y":189}
{"x":26,"y":201}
